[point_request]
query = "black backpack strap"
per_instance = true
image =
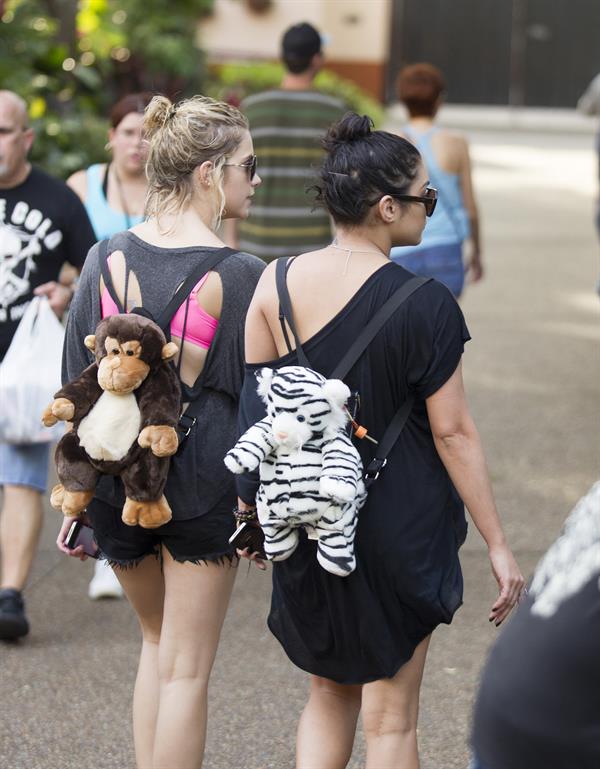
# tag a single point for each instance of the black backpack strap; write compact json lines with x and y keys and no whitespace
{"x":285,"y":309}
{"x":184,"y":290}
{"x":374,"y":326}
{"x":106,"y":276}
{"x":392,"y":433}
{"x":386,"y":444}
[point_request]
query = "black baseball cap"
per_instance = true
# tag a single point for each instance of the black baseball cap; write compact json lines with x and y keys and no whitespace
{"x":301,"y":42}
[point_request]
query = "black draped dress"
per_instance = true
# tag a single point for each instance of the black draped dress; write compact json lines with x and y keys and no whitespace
{"x":408,"y":578}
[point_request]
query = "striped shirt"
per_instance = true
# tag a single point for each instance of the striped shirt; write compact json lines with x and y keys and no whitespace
{"x":286,"y":128}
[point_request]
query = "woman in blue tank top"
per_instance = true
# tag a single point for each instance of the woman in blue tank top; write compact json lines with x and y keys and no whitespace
{"x":446,"y":156}
{"x":114,"y":193}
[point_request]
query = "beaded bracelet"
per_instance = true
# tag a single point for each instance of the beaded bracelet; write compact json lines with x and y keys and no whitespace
{"x":244,"y":515}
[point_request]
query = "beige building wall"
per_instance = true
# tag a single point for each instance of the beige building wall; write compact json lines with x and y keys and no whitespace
{"x":357,"y":33}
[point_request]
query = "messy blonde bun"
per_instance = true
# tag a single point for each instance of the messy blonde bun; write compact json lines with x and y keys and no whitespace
{"x":181,"y":137}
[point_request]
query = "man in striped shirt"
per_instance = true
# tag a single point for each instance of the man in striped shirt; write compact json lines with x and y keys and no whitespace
{"x":287,"y":125}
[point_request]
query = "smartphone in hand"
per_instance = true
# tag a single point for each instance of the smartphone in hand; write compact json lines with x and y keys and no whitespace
{"x":81,"y":534}
{"x":249,"y":535}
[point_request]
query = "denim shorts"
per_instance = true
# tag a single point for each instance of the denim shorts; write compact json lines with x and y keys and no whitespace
{"x":24,"y":465}
{"x":197,"y":540}
{"x":444,"y":263}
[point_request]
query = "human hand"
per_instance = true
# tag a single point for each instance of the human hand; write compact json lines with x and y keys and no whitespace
{"x":77,"y":552}
{"x":475,"y":267}
{"x":245,"y":553}
{"x":58,"y":295}
{"x":510,"y":582}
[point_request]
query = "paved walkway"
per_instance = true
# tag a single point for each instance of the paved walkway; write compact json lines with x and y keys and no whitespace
{"x":532,"y":372}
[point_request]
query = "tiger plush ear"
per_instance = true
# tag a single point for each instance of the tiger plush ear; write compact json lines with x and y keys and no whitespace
{"x":264,"y":378}
{"x":336,"y":392}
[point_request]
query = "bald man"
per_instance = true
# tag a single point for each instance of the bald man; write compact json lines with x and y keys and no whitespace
{"x":43,"y":225}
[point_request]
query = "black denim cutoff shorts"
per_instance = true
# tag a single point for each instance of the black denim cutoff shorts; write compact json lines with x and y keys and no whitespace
{"x":200,"y":539}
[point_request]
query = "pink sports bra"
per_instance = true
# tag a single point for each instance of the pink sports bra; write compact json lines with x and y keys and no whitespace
{"x":200,"y":327}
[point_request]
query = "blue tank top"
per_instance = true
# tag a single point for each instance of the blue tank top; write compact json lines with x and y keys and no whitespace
{"x":450,"y":222}
{"x":105,"y":220}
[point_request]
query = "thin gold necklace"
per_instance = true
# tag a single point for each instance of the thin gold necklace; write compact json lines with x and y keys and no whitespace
{"x":335,"y":244}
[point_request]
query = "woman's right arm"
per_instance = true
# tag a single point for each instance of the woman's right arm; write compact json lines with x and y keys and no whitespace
{"x":475,"y":264}
{"x":78,"y":183}
{"x":259,"y":346}
{"x":459,"y":447}
{"x":259,"y":342}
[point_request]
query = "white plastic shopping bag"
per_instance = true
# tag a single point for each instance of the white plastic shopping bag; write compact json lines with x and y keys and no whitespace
{"x":30,"y":375}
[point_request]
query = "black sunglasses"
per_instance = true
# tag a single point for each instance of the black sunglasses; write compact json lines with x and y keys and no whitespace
{"x":249,"y":165}
{"x":429,"y":199}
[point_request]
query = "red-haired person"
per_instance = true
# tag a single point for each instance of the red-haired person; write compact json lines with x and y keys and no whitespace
{"x":439,"y":255}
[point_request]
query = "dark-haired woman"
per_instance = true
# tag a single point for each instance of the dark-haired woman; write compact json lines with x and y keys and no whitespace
{"x":364,"y":638}
{"x":446,"y":156}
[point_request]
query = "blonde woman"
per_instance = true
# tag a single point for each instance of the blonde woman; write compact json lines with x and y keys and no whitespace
{"x":114,"y":194}
{"x":201,"y":168}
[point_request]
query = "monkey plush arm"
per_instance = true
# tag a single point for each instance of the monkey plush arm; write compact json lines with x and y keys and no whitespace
{"x":159,"y":400}
{"x":252,"y":448}
{"x":75,"y":399}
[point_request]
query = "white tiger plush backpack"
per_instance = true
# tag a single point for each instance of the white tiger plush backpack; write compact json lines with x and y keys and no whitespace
{"x":310,"y":471}
{"x":311,"y":475}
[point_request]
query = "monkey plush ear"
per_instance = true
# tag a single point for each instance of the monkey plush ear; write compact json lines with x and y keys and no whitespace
{"x":90,"y":342}
{"x":169,"y":351}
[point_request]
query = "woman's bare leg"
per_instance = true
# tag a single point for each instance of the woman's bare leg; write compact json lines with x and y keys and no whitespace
{"x":327,"y":725}
{"x":144,"y":587}
{"x":196,"y":599}
{"x":390,"y":709}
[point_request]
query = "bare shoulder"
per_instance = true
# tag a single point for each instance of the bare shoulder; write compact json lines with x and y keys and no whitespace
{"x":78,"y":183}
{"x":452,"y":140}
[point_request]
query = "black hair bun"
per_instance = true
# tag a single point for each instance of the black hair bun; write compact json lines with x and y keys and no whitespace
{"x":350,"y":128}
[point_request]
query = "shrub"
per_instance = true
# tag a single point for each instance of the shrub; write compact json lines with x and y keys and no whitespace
{"x":233,"y":81}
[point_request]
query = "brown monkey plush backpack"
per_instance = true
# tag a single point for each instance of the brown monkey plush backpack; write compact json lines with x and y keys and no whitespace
{"x":124,"y":409}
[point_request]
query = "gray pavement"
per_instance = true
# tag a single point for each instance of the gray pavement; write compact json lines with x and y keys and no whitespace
{"x":532,"y":373}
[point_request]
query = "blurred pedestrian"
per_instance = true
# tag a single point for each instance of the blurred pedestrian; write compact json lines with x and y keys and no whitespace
{"x":539,"y":698}
{"x":42,"y":225}
{"x":446,"y":157}
{"x":287,"y":124}
{"x":114,"y":195}
{"x":201,"y":166}
{"x":364,"y":637}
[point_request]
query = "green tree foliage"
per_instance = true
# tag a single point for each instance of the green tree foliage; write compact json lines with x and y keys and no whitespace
{"x":232,"y":82}
{"x":71,"y":59}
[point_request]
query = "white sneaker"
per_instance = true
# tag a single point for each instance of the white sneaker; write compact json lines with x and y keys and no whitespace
{"x":104,"y":583}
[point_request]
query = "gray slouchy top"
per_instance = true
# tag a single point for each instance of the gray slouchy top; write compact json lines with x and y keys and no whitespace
{"x":201,"y":476}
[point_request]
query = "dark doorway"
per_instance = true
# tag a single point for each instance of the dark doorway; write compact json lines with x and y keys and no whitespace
{"x":520,"y":52}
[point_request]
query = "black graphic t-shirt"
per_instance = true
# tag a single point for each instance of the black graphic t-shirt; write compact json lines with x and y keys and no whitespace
{"x":43,"y":224}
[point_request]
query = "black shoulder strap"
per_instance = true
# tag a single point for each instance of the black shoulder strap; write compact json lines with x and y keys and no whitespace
{"x":360,"y":344}
{"x":106,"y":276}
{"x":285,"y":306}
{"x":184,"y":290}
{"x":374,"y":326}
